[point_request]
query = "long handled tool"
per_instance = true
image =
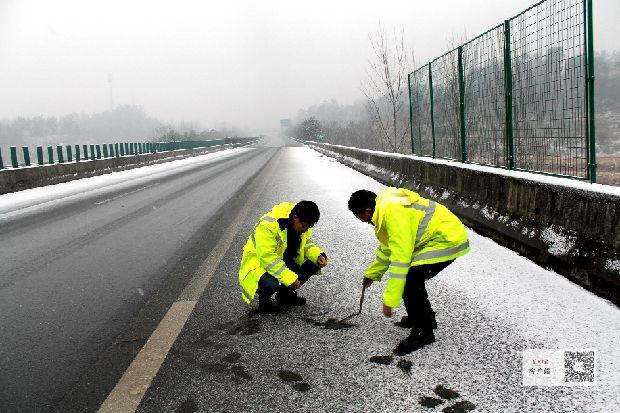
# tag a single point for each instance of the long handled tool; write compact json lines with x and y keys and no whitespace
{"x":359,"y":311}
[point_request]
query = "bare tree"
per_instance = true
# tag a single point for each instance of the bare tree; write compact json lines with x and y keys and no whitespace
{"x":386,"y":89}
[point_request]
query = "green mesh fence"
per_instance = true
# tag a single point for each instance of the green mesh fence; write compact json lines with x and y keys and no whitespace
{"x":421,"y":134}
{"x":521,"y":97}
{"x":446,"y":106}
{"x":548,"y":65}
{"x":485,"y":117}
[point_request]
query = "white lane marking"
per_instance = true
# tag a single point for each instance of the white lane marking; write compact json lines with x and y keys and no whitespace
{"x":126,"y":193}
{"x":131,"y":388}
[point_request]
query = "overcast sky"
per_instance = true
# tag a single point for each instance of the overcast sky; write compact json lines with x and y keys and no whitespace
{"x":248,"y":63}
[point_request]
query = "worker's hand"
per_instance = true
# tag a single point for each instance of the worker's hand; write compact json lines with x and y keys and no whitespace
{"x":366,"y":282}
{"x":321,"y":261}
{"x":387,"y":311}
{"x":296,"y":285}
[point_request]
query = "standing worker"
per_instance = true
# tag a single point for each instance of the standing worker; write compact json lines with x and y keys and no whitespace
{"x":418,"y":238}
{"x":279,"y":256}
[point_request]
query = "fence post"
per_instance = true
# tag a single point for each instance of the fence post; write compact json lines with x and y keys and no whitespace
{"x":591,"y":134}
{"x":462,"y":105}
{"x":105,"y":150}
{"x":69,"y":154}
{"x":508,"y":96}
{"x":430,"y":86}
{"x":77,"y":153}
{"x":92,"y":152}
{"x":1,"y":163}
{"x":98,"y":151}
{"x":410,"y":114}
{"x":26,"y":152}
{"x":14,"y":163}
{"x":50,"y":155}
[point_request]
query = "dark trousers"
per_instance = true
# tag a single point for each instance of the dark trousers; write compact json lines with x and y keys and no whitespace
{"x":415,"y":296}
{"x":268,"y":284}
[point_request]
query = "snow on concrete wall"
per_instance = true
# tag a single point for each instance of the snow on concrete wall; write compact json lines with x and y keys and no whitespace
{"x":568,"y":225}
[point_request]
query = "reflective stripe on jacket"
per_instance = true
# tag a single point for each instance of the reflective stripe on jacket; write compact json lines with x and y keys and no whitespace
{"x":411,"y":231}
{"x":264,"y":250}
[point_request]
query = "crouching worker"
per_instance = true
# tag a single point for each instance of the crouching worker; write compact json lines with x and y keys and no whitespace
{"x":280,"y":256}
{"x":418,"y":238}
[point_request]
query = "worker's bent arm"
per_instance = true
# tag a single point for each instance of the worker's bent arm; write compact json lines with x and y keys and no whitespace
{"x":270,"y":261}
{"x":312,"y":251}
{"x":380,"y":264}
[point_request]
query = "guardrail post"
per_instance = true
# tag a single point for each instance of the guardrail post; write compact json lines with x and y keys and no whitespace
{"x":1,"y":162}
{"x":26,"y":152}
{"x":14,"y":162}
{"x":92,"y":152}
{"x":69,"y":154}
{"x":39,"y":155}
{"x":510,"y":150}
{"x":77,"y":153}
{"x":117,"y":151}
{"x":50,"y":155}
{"x":105,"y":150}
{"x":462,"y":105}
{"x":61,"y":158}
{"x":98,"y":151}
{"x":590,"y":130}
{"x":430,"y":85}
{"x":85,"y":152}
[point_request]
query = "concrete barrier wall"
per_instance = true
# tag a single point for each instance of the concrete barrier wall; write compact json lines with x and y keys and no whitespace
{"x":12,"y":180}
{"x":570,"y":227}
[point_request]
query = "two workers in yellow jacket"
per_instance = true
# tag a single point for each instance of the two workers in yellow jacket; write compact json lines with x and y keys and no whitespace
{"x":418,"y":238}
{"x":280,"y":255}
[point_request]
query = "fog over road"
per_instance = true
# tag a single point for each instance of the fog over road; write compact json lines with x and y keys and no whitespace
{"x":86,"y":282}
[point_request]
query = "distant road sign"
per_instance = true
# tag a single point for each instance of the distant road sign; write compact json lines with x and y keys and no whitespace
{"x":285,"y":123}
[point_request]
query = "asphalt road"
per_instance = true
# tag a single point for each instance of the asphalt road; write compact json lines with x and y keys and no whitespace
{"x":491,"y":304}
{"x":84,"y":280}
{"x":85,"y":315}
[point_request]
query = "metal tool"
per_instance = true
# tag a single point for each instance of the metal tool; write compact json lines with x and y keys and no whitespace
{"x":359,"y":311}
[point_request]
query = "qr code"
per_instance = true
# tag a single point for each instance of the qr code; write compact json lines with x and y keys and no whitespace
{"x":579,"y":366}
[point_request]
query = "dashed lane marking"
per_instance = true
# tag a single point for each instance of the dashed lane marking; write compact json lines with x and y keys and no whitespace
{"x":105,"y":201}
{"x":131,"y":388}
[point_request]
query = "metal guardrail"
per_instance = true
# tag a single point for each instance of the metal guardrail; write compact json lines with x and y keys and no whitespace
{"x":518,"y":96}
{"x":91,"y":152}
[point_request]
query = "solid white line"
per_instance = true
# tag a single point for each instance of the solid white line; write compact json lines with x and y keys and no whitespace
{"x":131,"y":388}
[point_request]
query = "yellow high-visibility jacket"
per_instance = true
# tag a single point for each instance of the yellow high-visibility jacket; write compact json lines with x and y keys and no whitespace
{"x":411,"y":231}
{"x":264,"y":250}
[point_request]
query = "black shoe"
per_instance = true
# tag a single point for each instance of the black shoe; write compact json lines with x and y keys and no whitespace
{"x":405,"y":322}
{"x":418,"y":338}
{"x":288,"y":297}
{"x":265,"y":305}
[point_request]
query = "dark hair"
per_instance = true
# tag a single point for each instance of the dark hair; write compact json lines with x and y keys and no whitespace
{"x":306,"y":211}
{"x":360,"y":200}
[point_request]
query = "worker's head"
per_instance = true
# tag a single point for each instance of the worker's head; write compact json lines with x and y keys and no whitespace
{"x":304,"y":215}
{"x":362,"y":204}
